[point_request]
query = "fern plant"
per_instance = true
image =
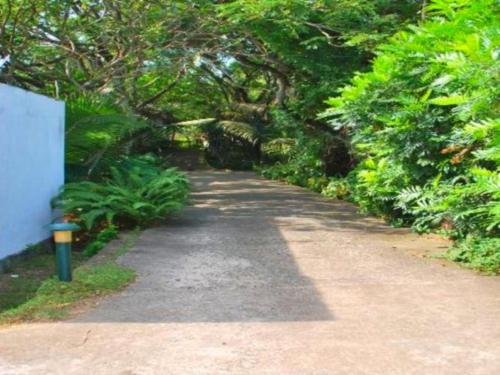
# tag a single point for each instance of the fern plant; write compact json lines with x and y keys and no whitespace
{"x":128,"y":197}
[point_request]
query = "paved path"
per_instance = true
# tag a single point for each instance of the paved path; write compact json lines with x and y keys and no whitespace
{"x":261,"y":278}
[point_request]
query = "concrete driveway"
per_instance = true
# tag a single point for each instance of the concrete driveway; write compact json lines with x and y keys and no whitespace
{"x":261,"y":278}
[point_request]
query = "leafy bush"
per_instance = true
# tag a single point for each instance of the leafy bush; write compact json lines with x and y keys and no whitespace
{"x":463,"y":206}
{"x":231,"y":145}
{"x":131,"y":196}
{"x":298,"y":153}
{"x":317,"y":183}
{"x":424,"y":124}
{"x":422,"y":120}
{"x":304,"y":170}
{"x":337,"y":188}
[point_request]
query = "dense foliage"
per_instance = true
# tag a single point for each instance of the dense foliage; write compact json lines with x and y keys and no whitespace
{"x":102,"y":238}
{"x":425,"y":128}
{"x":161,"y":58}
{"x":410,"y":132}
{"x":97,"y":133}
{"x":421,"y":128}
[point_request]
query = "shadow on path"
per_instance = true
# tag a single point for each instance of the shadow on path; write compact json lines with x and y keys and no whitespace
{"x":257,"y":277}
{"x":223,"y":260}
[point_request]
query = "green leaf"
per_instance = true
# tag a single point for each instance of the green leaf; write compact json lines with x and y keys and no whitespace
{"x":449,"y":100}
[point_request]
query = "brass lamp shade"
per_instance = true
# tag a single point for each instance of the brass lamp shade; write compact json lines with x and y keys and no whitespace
{"x":63,"y":236}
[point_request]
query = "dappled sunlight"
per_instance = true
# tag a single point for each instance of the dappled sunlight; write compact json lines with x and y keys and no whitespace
{"x":261,"y":251}
{"x":274,"y":199}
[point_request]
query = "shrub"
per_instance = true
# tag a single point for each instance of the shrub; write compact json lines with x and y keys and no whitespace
{"x":303,"y":154}
{"x":337,"y":188}
{"x":463,"y":206}
{"x":303,"y":165}
{"x":317,"y":183}
{"x":303,"y":171}
{"x":424,"y":122}
{"x":130,"y":196}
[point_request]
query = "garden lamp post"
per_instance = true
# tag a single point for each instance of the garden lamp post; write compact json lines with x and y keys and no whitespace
{"x":62,"y":237}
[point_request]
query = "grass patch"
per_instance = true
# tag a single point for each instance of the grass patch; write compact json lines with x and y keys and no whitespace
{"x":36,"y":293}
{"x":25,"y":274}
{"x":482,"y":254}
{"x":127,"y":243}
{"x":53,"y":298}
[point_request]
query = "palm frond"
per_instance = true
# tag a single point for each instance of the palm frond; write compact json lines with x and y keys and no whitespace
{"x":240,"y":129}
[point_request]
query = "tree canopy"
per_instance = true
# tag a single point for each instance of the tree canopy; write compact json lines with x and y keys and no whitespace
{"x":179,"y":60}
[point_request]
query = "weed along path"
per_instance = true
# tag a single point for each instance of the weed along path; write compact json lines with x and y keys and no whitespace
{"x":256,"y":277}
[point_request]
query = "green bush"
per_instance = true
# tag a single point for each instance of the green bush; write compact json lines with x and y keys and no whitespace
{"x":425,"y":128}
{"x":424,"y":123}
{"x":299,"y":155}
{"x":337,"y":188}
{"x":317,"y":183}
{"x":469,"y":206}
{"x":303,"y":171}
{"x":134,"y":196}
{"x":303,"y":154}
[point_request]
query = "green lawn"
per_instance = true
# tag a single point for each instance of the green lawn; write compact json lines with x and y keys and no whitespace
{"x":24,"y":275}
{"x":30,"y":290}
{"x":53,"y":298}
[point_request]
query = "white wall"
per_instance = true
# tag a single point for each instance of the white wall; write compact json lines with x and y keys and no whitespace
{"x":31,"y":166}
